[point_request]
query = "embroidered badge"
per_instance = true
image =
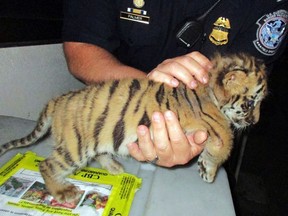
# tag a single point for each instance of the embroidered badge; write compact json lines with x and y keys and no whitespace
{"x":272,"y":28}
{"x":220,"y":31}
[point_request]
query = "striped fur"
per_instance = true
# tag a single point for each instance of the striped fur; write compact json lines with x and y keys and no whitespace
{"x":99,"y":120}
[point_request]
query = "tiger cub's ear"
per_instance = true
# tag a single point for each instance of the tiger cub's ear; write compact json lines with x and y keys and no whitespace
{"x":234,"y":80}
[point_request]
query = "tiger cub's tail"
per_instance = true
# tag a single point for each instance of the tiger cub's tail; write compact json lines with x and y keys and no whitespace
{"x":41,"y":128}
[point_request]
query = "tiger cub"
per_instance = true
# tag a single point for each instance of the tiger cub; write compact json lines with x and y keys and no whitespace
{"x":99,"y":120}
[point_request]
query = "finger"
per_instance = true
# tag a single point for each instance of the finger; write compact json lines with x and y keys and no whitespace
{"x":162,"y":76}
{"x":161,"y":140}
{"x":200,"y":137}
{"x":178,"y":69}
{"x":200,"y":65}
{"x":135,"y":151}
{"x":196,"y":141}
{"x":179,"y":143}
{"x":201,"y":59}
{"x":145,"y":144}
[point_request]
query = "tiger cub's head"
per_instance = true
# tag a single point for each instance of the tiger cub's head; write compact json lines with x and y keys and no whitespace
{"x":239,"y":86}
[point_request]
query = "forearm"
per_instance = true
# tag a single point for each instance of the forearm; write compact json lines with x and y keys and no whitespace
{"x":92,"y":64}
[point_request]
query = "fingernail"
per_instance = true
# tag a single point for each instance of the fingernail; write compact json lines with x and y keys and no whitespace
{"x":141,"y":130}
{"x":205,"y":79}
{"x":210,"y":66}
{"x":156,"y":117}
{"x":193,"y":84}
{"x":174,"y":82}
{"x":168,"y":115}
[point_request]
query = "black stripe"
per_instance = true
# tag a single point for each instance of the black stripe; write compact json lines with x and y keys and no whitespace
{"x":22,"y":141}
{"x":138,"y":104}
{"x":160,"y":94}
{"x":98,"y":126}
{"x":240,"y":69}
{"x":80,"y":143}
{"x":118,"y":134}
{"x":68,"y":159}
{"x":198,"y":100}
{"x":167,"y":105}
{"x":178,"y":116}
{"x":72,"y":95}
{"x":6,"y":146}
{"x":15,"y":143}
{"x":188,"y":99}
{"x":113,"y":87}
{"x":58,"y":163}
{"x":220,"y":77}
{"x":135,"y":86}
{"x":175,"y":94}
{"x":213,"y":130}
{"x":100,"y":84}
{"x":145,"y":120}
{"x":34,"y":134}
{"x":119,"y":130}
{"x":246,"y":90}
{"x":151,"y":83}
{"x":39,"y":126}
{"x":59,"y":150}
{"x":259,"y":90}
{"x":30,"y":137}
{"x":92,"y":107}
{"x":260,"y":80}
{"x":50,"y":167}
{"x":85,"y":122}
{"x":235,"y":99}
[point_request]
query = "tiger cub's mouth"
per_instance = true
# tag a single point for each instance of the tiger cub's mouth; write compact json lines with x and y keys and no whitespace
{"x":244,"y":122}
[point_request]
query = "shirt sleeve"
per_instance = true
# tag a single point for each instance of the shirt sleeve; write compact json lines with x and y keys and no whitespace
{"x":91,"y":21}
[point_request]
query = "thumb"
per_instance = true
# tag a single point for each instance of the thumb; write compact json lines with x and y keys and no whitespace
{"x":198,"y":137}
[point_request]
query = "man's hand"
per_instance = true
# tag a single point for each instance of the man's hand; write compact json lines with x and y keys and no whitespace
{"x":170,"y":144}
{"x":190,"y":69}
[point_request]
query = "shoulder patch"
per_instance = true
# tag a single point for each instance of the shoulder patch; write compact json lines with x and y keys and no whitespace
{"x":272,"y":28}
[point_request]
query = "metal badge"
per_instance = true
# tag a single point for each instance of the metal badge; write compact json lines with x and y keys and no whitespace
{"x":139,"y":3}
{"x":135,"y":15}
{"x":219,"y":34}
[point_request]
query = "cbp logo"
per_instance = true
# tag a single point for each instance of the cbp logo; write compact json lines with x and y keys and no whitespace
{"x":271,"y":31}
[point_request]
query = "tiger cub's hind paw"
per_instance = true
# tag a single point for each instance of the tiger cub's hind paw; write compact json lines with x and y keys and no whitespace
{"x":114,"y":168}
{"x":108,"y":163}
{"x":206,"y":170}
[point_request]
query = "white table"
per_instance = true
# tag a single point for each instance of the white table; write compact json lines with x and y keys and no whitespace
{"x":170,"y":192}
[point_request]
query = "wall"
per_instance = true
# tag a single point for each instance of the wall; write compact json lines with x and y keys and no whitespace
{"x":30,"y":76}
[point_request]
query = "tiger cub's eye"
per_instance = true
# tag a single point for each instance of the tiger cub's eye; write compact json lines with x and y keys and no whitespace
{"x":250,"y":103}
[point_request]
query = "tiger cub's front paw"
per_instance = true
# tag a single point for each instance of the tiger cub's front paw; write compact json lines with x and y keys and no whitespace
{"x":68,"y":193}
{"x":206,"y":169}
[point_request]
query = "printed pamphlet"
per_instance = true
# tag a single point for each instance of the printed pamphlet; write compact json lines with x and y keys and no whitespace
{"x":23,"y":192}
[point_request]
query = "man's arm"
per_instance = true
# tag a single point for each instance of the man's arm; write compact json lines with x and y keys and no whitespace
{"x":91,"y":64}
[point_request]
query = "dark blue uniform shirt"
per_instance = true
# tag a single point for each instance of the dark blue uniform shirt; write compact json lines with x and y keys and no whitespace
{"x":142,"y":33}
